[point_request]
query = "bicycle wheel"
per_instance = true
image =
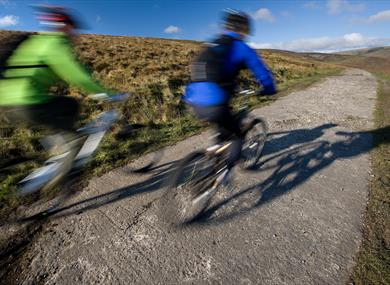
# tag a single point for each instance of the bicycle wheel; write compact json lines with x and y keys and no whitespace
{"x":255,"y":140}
{"x":188,"y":193}
{"x":41,"y":205}
{"x":48,"y":187}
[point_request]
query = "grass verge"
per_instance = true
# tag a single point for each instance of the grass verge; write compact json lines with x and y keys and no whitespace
{"x":373,"y":260}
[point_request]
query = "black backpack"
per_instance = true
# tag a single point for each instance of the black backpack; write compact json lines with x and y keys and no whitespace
{"x":209,"y":64}
{"x":8,"y":46}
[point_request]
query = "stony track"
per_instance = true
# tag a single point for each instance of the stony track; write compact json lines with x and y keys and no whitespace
{"x":295,"y":220}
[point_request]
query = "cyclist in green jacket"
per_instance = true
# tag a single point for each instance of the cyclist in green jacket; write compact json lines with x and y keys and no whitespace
{"x":35,"y":66}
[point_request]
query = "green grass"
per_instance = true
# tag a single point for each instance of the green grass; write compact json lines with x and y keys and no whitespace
{"x":373,"y":260}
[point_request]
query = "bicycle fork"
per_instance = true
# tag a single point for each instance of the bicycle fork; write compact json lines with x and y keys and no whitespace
{"x":211,"y":192}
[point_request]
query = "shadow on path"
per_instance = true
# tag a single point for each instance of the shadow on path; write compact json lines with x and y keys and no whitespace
{"x":156,"y":182}
{"x":292,"y":156}
{"x":290,"y":167}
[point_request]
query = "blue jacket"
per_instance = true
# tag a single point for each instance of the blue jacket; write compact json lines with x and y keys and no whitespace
{"x":211,"y":94}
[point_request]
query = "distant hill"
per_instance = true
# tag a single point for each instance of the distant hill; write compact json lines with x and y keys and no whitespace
{"x":374,"y":60}
{"x":326,"y":57}
{"x":381,"y":52}
{"x":309,"y":56}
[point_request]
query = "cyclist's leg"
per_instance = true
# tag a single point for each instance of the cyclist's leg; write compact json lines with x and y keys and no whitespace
{"x":211,"y":114}
{"x":59,"y":114}
{"x":228,"y":127}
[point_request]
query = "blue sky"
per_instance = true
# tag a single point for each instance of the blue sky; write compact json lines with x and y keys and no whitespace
{"x":322,"y":25}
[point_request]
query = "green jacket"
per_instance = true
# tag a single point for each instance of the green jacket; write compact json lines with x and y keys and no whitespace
{"x":45,"y":58}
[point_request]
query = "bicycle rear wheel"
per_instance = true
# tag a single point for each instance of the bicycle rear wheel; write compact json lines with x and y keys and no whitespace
{"x":188,"y":192}
{"x":255,"y":140}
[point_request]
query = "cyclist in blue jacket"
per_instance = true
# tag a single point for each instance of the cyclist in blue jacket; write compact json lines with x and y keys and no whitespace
{"x":213,"y":79}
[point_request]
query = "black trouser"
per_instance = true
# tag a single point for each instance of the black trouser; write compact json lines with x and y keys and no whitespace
{"x":228,"y":127}
{"x":59,"y":114}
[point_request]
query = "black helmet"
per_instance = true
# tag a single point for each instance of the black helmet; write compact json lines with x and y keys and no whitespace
{"x":237,"y":21}
{"x":57,"y":16}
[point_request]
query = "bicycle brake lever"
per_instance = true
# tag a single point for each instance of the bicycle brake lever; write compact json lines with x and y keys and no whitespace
{"x":118,"y":97}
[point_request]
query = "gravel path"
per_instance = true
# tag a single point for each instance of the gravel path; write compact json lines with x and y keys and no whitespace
{"x":295,"y":220}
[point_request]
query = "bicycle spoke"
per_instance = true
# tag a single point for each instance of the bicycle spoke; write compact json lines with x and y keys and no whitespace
{"x":188,"y":195}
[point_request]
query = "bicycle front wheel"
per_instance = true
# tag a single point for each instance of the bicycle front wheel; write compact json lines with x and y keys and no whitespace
{"x":190,"y":188}
{"x":255,"y":140}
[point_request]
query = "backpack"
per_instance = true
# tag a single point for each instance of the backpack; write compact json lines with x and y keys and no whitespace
{"x":8,"y":46}
{"x":209,"y":64}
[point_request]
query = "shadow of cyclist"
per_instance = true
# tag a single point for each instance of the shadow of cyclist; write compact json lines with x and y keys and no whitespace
{"x":290,"y":167}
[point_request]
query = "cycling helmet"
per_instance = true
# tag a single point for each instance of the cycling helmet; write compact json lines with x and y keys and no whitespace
{"x":57,"y":16}
{"x":237,"y":21}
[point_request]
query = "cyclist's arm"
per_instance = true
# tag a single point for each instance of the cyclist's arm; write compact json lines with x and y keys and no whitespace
{"x":259,"y":69}
{"x":61,"y":59}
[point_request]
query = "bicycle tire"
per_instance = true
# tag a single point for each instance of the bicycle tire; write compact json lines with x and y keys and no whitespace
{"x":197,"y":171}
{"x":49,"y":196}
{"x":255,"y":140}
{"x":39,"y":207}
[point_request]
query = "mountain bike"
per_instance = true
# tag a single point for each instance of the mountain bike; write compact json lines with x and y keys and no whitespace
{"x":71,"y":163}
{"x":199,"y":175}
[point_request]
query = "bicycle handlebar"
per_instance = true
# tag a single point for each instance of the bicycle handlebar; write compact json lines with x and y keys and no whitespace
{"x":249,"y":92}
{"x":120,"y":97}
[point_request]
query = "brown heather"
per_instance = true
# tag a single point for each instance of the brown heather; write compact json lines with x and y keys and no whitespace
{"x":155,"y":71}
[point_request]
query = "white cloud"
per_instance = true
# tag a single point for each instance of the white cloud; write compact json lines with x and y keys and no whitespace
{"x":327,"y":44}
{"x":9,"y":20}
{"x":312,"y":5}
{"x":381,"y":16}
{"x":98,"y":19}
{"x":263,"y":45}
{"x":338,"y":6}
{"x":264,"y":14}
{"x":354,"y":38}
{"x":172,"y":30}
{"x":285,"y":13}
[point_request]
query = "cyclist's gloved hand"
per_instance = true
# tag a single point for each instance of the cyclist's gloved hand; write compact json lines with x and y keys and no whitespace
{"x":269,"y":90}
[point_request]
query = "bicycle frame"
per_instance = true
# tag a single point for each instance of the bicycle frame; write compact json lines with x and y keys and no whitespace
{"x":94,"y":133}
